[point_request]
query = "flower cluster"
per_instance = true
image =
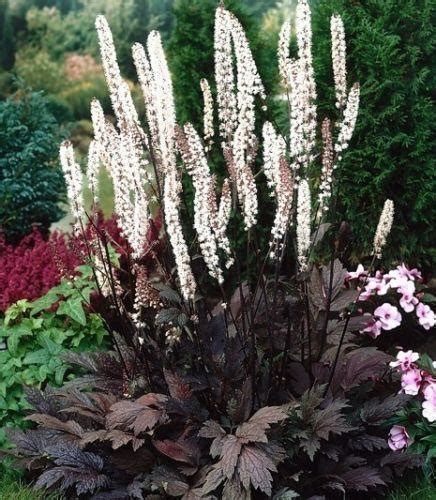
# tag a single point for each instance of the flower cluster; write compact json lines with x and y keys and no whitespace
{"x":338,"y":59}
{"x":415,"y":381}
{"x":303,"y":223}
{"x":236,"y":107}
{"x":398,"y":284}
{"x":279,"y":177}
{"x":384,"y":227}
{"x":325,"y":187}
{"x":73,"y":179}
{"x":283,"y":51}
{"x":207,"y":114}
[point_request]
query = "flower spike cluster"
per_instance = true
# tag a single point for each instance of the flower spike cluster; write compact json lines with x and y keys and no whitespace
{"x":303,"y":91}
{"x":207,"y":113}
{"x":338,"y":59}
{"x":156,"y":85}
{"x":325,"y":188}
{"x":236,"y":101}
{"x":346,"y":127}
{"x":303,"y":223}
{"x":383,"y":228}
{"x":74,"y":180}
{"x":205,"y":207}
{"x":279,"y":177}
{"x":283,"y":51}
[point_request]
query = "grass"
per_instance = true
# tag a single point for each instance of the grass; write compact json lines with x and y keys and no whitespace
{"x":423,"y":489}
{"x":12,"y":487}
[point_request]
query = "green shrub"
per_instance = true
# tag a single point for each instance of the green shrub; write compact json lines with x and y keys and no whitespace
{"x":31,"y":183}
{"x":35,"y":334}
{"x":389,"y":51}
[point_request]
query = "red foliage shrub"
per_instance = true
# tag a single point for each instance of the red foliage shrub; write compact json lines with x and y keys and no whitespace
{"x":29,"y":269}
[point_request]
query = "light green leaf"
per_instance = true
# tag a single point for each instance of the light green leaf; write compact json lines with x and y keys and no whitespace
{"x":60,"y":373}
{"x":43,"y":303}
{"x":74,"y":309}
{"x":38,"y":357}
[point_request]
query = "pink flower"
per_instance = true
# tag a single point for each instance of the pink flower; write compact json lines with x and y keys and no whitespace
{"x":357,"y":274}
{"x":429,"y":405}
{"x":373,"y":328}
{"x":410,"y":274}
{"x":398,"y":438}
{"x":408,"y":301}
{"x":380,"y":287}
{"x":411,"y":381}
{"x":405,"y":360}
{"x":395,"y":278}
{"x":426,"y":316}
{"x":388,"y":315}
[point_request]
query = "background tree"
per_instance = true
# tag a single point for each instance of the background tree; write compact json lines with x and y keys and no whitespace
{"x":7,"y":48}
{"x":390,"y":47}
{"x":31,"y":183}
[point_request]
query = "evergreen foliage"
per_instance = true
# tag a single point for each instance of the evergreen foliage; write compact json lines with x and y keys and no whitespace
{"x":389,"y":46}
{"x":7,"y":42}
{"x":31,"y":183}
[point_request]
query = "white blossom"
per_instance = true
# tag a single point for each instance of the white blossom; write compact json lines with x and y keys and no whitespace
{"x":205,"y":207}
{"x":338,"y":59}
{"x":73,"y":179}
{"x":325,"y":188}
{"x":283,"y":51}
{"x":279,"y":178}
{"x":303,"y":223}
{"x":236,"y":106}
{"x":383,"y":228}
{"x":207,"y":113}
{"x":156,"y":85}
{"x":346,"y":127}
{"x":300,"y":75}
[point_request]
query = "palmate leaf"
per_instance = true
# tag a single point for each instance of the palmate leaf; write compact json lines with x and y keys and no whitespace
{"x":254,"y":468}
{"x":330,"y":420}
{"x":70,"y":428}
{"x":140,"y":415}
{"x":84,"y":480}
{"x":185,"y":451}
{"x":255,"y":429}
{"x":377,"y":411}
{"x":362,"y":478}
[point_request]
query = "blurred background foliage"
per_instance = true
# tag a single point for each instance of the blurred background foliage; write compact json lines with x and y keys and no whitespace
{"x":51,"y":46}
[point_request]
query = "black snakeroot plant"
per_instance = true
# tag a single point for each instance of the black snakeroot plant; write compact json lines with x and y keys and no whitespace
{"x":262,"y":392}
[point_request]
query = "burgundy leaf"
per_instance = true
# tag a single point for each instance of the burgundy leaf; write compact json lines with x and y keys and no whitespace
{"x":254,"y":468}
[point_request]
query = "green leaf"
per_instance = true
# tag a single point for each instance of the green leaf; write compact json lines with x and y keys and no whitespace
{"x":74,"y":309}
{"x":14,"y":339}
{"x":43,"y":303}
{"x":60,"y":373}
{"x":15,"y":310}
{"x":38,"y":357}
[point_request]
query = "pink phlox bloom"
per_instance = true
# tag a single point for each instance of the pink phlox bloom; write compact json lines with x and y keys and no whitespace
{"x":388,"y":315}
{"x":405,"y":360}
{"x":408,"y":301}
{"x":380,"y":287}
{"x":395,"y":278}
{"x":411,"y":381}
{"x":357,"y":274}
{"x":398,"y":438}
{"x":426,"y":316}
{"x":373,"y":327}
{"x":429,"y":405}
{"x":410,"y":274}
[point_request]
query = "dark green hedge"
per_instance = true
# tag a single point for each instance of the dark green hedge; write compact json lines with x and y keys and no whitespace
{"x":390,"y":48}
{"x":31,"y":181}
